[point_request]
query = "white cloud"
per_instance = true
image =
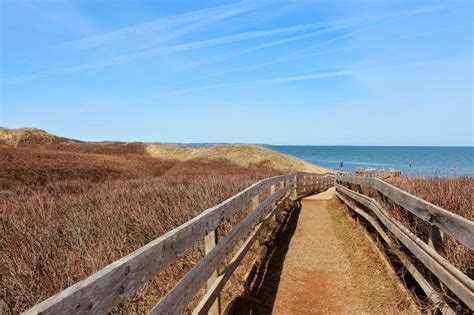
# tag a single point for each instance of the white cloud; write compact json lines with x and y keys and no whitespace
{"x":187,"y":21}
{"x":304,"y":77}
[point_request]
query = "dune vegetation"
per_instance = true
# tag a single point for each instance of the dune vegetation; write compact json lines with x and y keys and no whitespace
{"x":69,"y":208}
{"x":450,"y":193}
{"x":244,"y":155}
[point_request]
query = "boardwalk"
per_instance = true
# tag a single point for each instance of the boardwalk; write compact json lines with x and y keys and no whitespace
{"x":322,"y":273}
{"x":317,"y":260}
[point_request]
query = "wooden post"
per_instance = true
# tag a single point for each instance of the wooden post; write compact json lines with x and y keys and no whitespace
{"x":294,"y":193}
{"x":210,"y":241}
{"x":272,"y":191}
{"x":255,"y":203}
{"x":435,"y":238}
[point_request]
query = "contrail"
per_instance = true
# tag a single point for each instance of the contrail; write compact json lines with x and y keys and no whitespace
{"x":304,"y":77}
{"x":300,"y":53}
{"x":408,"y":14}
{"x":322,"y":26}
{"x":187,"y":19}
{"x":325,"y":26}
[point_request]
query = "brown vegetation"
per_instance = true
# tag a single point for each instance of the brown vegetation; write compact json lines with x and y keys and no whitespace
{"x":244,"y":155}
{"x":67,"y":209}
{"x":450,"y":193}
{"x":22,"y":137}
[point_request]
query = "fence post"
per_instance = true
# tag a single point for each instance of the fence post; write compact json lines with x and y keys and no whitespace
{"x":294,"y":192}
{"x":435,"y":237}
{"x":272,"y":191}
{"x":304,"y":183}
{"x":210,"y":241}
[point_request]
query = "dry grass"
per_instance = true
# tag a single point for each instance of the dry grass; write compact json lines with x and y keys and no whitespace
{"x":28,"y":137}
{"x":68,"y":209}
{"x":381,"y":293}
{"x":244,"y":155}
{"x":451,"y":193}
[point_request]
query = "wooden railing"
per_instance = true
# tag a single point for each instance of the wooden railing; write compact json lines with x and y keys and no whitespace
{"x":439,"y":220}
{"x":105,"y":289}
{"x":376,"y":173}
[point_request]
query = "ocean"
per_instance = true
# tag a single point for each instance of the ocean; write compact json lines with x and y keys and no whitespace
{"x":425,"y":161}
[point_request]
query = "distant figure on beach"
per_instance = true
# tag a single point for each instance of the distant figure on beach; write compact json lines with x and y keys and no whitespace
{"x":341,"y":164}
{"x":410,"y":164}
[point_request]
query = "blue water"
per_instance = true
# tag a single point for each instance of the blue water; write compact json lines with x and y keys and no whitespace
{"x":427,"y":161}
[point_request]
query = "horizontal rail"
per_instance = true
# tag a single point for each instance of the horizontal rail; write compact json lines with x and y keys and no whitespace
{"x":179,"y":297}
{"x":460,"y":228}
{"x":206,"y":302}
{"x":460,"y":284}
{"x":425,"y":285}
{"x":105,"y":289}
{"x":377,"y":173}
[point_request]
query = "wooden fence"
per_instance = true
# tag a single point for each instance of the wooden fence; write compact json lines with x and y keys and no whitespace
{"x":439,"y":220}
{"x":105,"y":289}
{"x":377,"y":173}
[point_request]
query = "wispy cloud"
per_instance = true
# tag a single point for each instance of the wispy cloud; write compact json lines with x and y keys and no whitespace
{"x":329,"y":25}
{"x":176,"y":25}
{"x":63,"y":14}
{"x":303,"y":77}
{"x":263,"y":64}
{"x":323,"y":27}
{"x":397,"y":17}
{"x":221,"y":12}
{"x":266,"y":81}
{"x":303,"y":52}
{"x":254,"y":48}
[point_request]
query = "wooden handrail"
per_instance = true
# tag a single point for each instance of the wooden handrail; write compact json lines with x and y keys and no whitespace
{"x":425,"y":285}
{"x":459,"y":283}
{"x":459,"y":227}
{"x":105,"y":289}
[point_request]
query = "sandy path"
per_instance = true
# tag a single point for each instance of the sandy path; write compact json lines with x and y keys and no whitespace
{"x":320,"y":276}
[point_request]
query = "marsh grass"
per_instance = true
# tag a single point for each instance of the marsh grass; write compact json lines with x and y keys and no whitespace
{"x":67,"y":211}
{"x":451,"y":193}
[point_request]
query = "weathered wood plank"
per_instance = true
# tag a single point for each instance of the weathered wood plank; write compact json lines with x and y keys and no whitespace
{"x":210,"y":241}
{"x":106,"y":288}
{"x":179,"y":297}
{"x":454,"y":279}
{"x":460,"y":228}
{"x":425,"y":285}
{"x":214,"y":291}
{"x":435,"y":239}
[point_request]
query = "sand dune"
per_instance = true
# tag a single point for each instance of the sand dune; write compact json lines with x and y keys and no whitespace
{"x":245,"y":155}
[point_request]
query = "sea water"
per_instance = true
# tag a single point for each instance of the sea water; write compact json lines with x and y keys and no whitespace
{"x":425,"y":161}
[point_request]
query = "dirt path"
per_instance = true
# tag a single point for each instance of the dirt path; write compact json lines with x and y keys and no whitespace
{"x":330,"y":267}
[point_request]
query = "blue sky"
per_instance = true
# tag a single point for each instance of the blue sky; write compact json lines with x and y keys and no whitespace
{"x":280,"y":72}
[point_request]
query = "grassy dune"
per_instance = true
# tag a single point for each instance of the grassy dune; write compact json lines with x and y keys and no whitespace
{"x":27,"y":136}
{"x":244,"y":155}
